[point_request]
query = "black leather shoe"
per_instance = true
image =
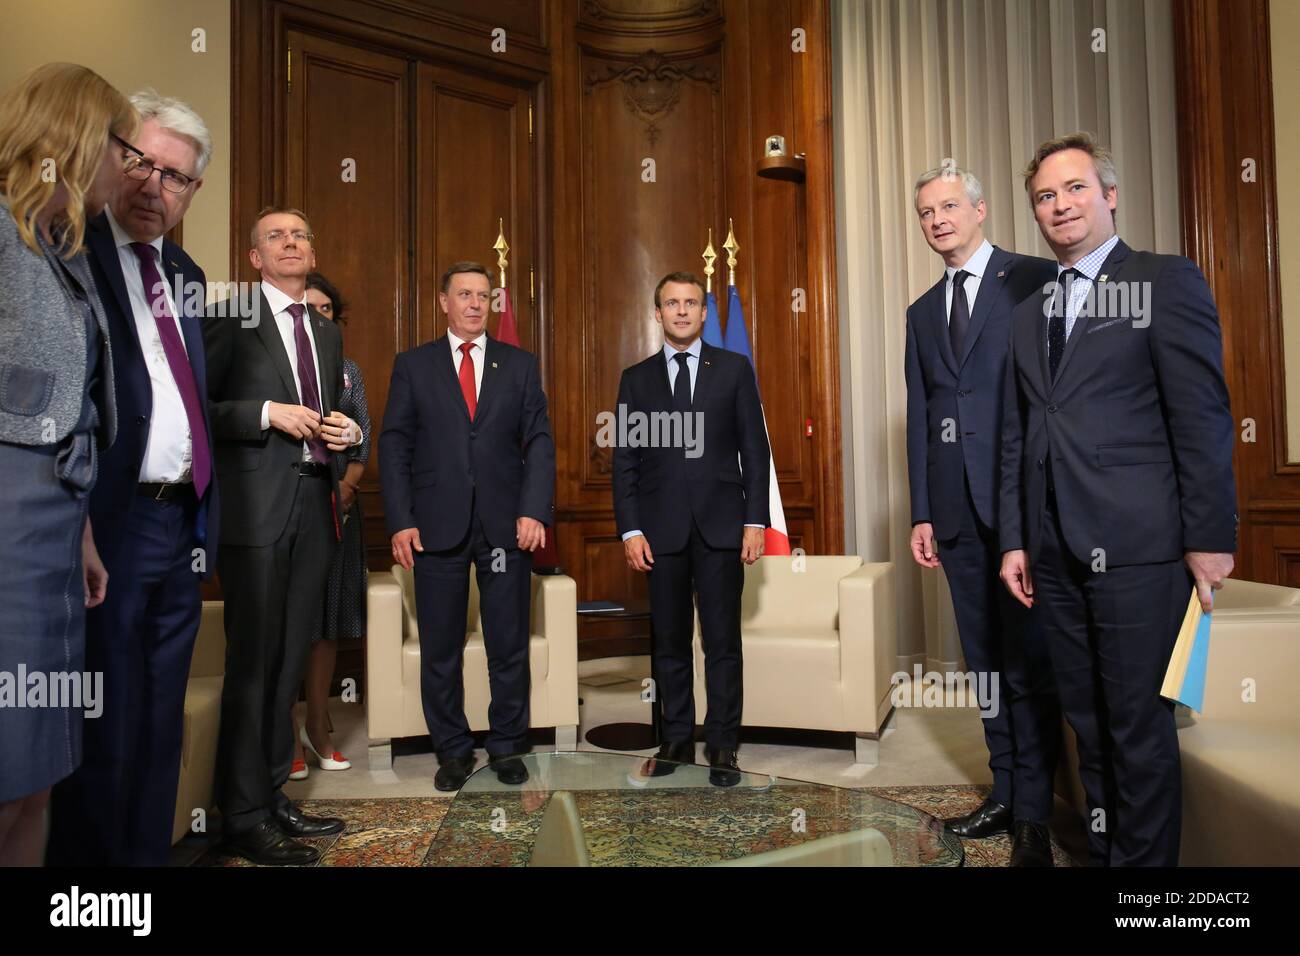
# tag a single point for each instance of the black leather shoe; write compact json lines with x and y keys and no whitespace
{"x":452,"y":772}
{"x":1032,"y":845}
{"x":724,"y":767}
{"x":509,"y":769}
{"x":667,"y":758}
{"x":266,"y":845}
{"x":293,"y":822}
{"x":985,"y":820}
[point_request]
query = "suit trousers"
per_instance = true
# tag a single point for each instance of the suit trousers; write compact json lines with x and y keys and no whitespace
{"x":275,"y":596}
{"x":117,"y":808}
{"x":504,"y":578}
{"x":1002,"y":639}
{"x":1111,"y":633}
{"x":716,"y":578}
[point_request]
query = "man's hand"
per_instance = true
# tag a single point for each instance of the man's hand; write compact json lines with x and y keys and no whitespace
{"x":637,"y":550}
{"x":94,"y":575}
{"x":1015,"y":575}
{"x":751,"y":548}
{"x":403,"y":542}
{"x":530,"y":533}
{"x":339,"y":432}
{"x":1209,"y":568}
{"x":923,"y":550}
{"x":296,"y":421}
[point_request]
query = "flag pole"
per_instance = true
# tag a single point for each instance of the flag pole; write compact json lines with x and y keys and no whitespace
{"x":709,"y":256}
{"x":501,"y":247}
{"x":732,"y":247}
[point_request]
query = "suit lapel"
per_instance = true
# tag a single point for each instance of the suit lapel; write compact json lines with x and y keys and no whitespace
{"x":939,"y":323}
{"x":105,"y":250}
{"x":1108,"y":273}
{"x":703,"y":375}
{"x":445,"y":372}
{"x":488,"y":387}
{"x":995,"y":274}
{"x":191,"y":329}
{"x":269,"y":332}
{"x":325,"y":359}
{"x":1039,"y":326}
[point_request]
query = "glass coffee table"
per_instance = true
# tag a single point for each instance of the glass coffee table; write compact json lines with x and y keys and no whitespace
{"x":603,"y":809}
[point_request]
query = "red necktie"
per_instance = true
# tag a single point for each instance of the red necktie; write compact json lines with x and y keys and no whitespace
{"x":467,"y":379}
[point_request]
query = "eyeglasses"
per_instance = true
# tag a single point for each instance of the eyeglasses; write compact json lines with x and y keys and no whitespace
{"x":277,"y":236}
{"x":137,"y":167}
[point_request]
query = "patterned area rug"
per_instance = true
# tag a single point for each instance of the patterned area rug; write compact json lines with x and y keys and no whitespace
{"x":655,"y":828}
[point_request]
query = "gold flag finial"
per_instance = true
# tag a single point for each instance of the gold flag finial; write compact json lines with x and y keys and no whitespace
{"x":709,"y":256}
{"x":732,"y":247}
{"x":502,"y":247}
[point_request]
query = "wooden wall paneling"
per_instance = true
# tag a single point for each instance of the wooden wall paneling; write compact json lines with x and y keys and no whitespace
{"x":813,"y":118}
{"x":434,"y":31}
{"x":345,"y":163}
{"x":1225,"y":115}
{"x":482,"y":163}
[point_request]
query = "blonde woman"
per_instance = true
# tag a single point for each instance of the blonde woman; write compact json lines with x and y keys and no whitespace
{"x":64,"y":137}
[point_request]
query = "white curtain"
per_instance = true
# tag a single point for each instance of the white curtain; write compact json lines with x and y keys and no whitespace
{"x":981,"y":82}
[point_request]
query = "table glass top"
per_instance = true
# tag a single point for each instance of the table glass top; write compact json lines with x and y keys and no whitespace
{"x":625,"y":816}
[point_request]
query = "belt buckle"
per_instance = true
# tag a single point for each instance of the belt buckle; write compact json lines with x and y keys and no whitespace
{"x":158,"y":496}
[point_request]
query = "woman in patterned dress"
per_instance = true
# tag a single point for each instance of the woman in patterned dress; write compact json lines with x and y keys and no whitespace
{"x":63,"y":133}
{"x":345,"y":596}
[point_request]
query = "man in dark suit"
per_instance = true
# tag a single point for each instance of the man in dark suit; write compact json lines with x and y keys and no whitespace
{"x":154,"y":508}
{"x":467,"y":470}
{"x":275,"y":372}
{"x":690,"y":509}
{"x":1117,"y":488}
{"x":956,"y":359}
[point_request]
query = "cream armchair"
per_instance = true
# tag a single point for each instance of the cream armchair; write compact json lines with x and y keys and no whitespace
{"x":820,"y":646}
{"x":202,"y":720}
{"x":393,"y":705}
{"x":1241,"y":779}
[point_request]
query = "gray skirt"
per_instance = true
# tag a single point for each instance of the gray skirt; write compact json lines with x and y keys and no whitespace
{"x":42,"y":622}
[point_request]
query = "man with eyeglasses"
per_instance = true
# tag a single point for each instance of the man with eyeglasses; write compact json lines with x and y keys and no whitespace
{"x":274,"y":380}
{"x":154,"y":508}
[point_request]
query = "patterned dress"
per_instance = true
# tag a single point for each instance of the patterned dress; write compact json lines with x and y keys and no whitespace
{"x":345,"y":596}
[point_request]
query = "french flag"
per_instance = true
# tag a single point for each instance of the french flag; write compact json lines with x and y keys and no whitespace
{"x":776,"y":540}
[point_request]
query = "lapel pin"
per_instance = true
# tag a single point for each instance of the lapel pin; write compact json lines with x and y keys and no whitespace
{"x":1102,"y":277}
{"x":1002,"y":273}
{"x":706,"y":361}
{"x":494,"y":364}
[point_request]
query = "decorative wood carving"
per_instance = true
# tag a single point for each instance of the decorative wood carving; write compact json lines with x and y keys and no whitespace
{"x":651,"y":86}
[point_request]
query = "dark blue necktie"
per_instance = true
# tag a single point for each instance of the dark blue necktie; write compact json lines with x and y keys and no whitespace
{"x":959,"y":316}
{"x":682,"y":384}
{"x":1056,"y":323}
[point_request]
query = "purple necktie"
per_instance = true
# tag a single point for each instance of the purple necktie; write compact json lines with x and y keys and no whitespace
{"x":179,"y":363}
{"x":307,"y":378}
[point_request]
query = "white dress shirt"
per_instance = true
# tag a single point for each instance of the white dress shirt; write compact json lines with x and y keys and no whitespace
{"x":168,"y":450}
{"x":974,"y":268}
{"x":1088,"y":266}
{"x":476,"y":354}
{"x":693,"y":366}
{"x":280,"y":303}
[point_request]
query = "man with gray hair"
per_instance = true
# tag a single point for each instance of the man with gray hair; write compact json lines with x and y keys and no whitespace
{"x":956,"y":357}
{"x":154,"y":508}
